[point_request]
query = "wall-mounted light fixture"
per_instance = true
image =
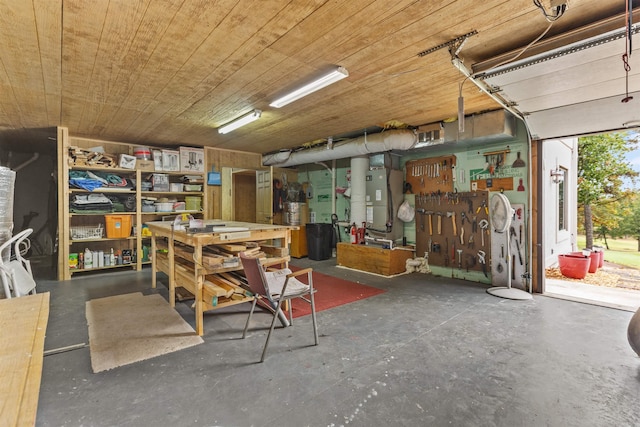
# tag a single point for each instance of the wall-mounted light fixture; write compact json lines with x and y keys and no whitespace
{"x":337,"y":74}
{"x":557,"y":175}
{"x":240,"y":121}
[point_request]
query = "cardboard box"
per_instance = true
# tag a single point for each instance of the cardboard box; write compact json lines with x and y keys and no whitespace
{"x":157,"y":159}
{"x":170,"y":161}
{"x":145,"y":165}
{"x":127,"y":161}
{"x":191,"y":159}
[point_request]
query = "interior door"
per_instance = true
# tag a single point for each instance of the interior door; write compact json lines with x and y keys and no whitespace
{"x":239,"y":194}
{"x":264,"y":197}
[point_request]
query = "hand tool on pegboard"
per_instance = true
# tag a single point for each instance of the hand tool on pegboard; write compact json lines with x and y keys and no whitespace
{"x":430,"y":213}
{"x":512,"y":232}
{"x":484,"y":228}
{"x":483,"y":262}
{"x":452,"y":215}
{"x":483,"y":205}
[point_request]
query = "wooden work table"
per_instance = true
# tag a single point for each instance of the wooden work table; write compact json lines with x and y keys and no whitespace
{"x":190,"y":273}
{"x":23,"y":323}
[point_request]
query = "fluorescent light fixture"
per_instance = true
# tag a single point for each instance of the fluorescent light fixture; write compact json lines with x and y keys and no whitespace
{"x":240,"y":121}
{"x":338,"y":73}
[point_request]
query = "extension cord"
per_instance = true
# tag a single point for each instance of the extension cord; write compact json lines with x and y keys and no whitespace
{"x":559,"y":6}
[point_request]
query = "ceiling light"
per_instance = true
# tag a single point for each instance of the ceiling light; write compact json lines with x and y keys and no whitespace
{"x":338,"y":73}
{"x":240,"y":121}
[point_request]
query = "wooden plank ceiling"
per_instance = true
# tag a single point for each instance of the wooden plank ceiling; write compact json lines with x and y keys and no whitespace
{"x":170,"y":72}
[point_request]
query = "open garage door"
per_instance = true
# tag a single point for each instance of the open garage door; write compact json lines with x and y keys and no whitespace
{"x":572,"y":85}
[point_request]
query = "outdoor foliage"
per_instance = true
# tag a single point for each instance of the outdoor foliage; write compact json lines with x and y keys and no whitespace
{"x":630,"y":223}
{"x":601,"y":169}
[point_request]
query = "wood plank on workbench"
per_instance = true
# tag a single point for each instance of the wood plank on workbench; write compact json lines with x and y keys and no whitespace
{"x":23,"y":323}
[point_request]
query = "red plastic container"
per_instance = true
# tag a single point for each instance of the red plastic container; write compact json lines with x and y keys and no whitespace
{"x":574,"y":266}
{"x":595,"y":260}
{"x":601,"y":258}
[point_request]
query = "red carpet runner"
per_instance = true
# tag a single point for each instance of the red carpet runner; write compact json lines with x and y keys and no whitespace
{"x":331,"y":292}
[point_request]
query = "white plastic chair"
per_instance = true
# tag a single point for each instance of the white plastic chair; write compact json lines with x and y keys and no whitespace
{"x":16,"y":275}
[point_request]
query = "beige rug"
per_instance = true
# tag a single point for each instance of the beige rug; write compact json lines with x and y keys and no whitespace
{"x":127,"y":328}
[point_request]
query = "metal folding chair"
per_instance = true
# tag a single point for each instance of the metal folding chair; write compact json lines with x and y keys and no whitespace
{"x":274,"y":288}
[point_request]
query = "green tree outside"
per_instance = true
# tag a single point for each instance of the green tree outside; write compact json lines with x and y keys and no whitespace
{"x":601,"y":169}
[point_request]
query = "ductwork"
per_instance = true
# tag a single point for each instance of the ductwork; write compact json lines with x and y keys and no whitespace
{"x":398,"y":139}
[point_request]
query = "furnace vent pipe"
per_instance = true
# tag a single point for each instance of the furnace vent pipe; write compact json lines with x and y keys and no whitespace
{"x":359,"y":169}
{"x":398,"y":139}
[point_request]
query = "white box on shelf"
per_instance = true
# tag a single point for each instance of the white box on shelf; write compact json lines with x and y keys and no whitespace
{"x":191,"y":159}
{"x":170,"y":161}
{"x":157,"y":159}
{"x":127,"y":161}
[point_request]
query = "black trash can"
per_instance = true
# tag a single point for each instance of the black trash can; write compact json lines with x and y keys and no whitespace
{"x":319,"y":241}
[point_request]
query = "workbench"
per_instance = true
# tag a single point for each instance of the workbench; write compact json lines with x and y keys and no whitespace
{"x":23,"y":323}
{"x":190,"y":273}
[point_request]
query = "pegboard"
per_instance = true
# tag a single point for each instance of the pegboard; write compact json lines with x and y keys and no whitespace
{"x":431,"y":174}
{"x":448,"y":222}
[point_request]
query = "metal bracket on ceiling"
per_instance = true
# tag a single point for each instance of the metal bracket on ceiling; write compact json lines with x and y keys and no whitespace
{"x":457,"y":43}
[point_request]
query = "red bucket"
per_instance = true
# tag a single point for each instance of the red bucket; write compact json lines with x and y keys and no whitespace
{"x":601,"y":257}
{"x":574,"y":266}
{"x":595,"y":260}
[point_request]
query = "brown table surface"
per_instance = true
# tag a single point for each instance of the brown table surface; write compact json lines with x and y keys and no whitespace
{"x":23,"y":323}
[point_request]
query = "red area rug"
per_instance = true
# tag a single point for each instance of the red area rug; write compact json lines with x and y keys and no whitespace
{"x":331,"y":292}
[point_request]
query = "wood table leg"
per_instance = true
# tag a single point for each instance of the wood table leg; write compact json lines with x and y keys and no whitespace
{"x":172,"y":274}
{"x":199,"y":280}
{"x":154,"y":266}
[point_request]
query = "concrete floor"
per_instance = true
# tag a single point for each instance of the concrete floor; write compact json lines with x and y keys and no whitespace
{"x":622,"y":299}
{"x":428,"y":352}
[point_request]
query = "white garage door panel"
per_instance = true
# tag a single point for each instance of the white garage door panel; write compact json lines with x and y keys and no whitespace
{"x":590,"y":117}
{"x":578,"y":95}
{"x":537,"y":81}
{"x":575,"y":93}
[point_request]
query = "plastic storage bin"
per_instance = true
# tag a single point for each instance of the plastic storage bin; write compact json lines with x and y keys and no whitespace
{"x":193,"y":203}
{"x":118,"y":226}
{"x":319,"y":241}
{"x":574,"y":266}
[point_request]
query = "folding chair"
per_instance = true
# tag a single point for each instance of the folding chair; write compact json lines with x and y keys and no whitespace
{"x":16,"y":275}
{"x":273,"y":288}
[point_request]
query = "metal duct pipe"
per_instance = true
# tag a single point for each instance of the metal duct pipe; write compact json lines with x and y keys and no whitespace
{"x":398,"y":139}
{"x":359,"y":169}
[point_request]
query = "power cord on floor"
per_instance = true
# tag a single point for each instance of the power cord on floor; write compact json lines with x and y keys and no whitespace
{"x":65,"y":349}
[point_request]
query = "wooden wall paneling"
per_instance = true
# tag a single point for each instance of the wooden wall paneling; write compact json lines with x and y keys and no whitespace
{"x":216,"y":159}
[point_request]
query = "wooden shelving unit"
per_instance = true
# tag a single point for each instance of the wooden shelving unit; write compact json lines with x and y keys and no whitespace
{"x":136,"y":241}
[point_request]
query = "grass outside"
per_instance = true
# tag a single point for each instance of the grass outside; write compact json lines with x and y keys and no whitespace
{"x":621,"y":251}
